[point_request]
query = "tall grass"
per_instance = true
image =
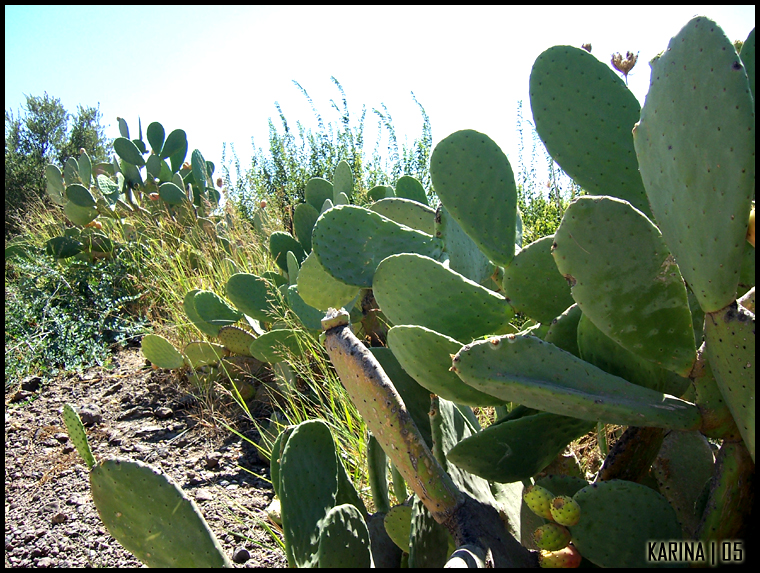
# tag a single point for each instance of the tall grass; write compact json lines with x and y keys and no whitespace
{"x":279,"y":174}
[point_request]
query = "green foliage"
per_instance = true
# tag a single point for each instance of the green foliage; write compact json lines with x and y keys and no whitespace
{"x":279,"y":175}
{"x":62,"y":317}
{"x":38,"y":135}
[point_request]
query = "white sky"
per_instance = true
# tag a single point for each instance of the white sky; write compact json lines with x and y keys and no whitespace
{"x":217,"y":71}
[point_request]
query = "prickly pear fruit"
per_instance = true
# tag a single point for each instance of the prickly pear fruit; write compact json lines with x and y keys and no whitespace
{"x":751,"y":228}
{"x":551,"y":536}
{"x":567,"y":558}
{"x":565,"y":510}
{"x":538,"y":499}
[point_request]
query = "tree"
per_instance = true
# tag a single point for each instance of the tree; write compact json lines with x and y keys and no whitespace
{"x":39,"y":135}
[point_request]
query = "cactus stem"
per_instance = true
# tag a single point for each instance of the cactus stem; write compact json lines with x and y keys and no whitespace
{"x":386,"y":415}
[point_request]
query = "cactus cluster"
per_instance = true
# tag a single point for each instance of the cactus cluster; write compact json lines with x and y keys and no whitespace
{"x":644,"y":299}
{"x":643,"y":315}
{"x":97,"y":198}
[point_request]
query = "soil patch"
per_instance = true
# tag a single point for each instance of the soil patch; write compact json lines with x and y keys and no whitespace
{"x":130,"y":412}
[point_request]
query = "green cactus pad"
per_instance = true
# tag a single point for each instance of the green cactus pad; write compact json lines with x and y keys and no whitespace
{"x":304,"y":217}
{"x":563,"y":330}
{"x":534,"y":286}
{"x":279,"y":245}
{"x":529,"y":371}
{"x":450,"y":424}
{"x":161,"y":352}
{"x":414,"y":289}
{"x":625,"y":280}
{"x":474,"y":180}
{"x":344,"y":539}
{"x":188,"y":304}
{"x":408,"y":187}
{"x":351,"y":241}
{"x":377,"y":471}
{"x":80,"y":216}
{"x":77,"y":434}
{"x":584,"y":114}
{"x":517,"y":449}
{"x":407,"y":212}
{"x":730,"y":344}
{"x":464,"y":255}
{"x":428,"y":539}
{"x":80,"y":196}
{"x":274,"y":345}
{"x":696,"y":149}
{"x":617,"y":519}
{"x":398,"y":525}
{"x":214,"y":310}
{"x":254,"y":296}
{"x":234,"y":339}
{"x":152,"y":517}
{"x":682,"y":467}
{"x":156,"y":134}
{"x":204,"y":353}
{"x":308,"y":473}
{"x":319,"y":289}
{"x":318,"y":190}
{"x":172,"y":194}
{"x":748,"y":59}
{"x":128,"y":151}
{"x":426,"y":356}
{"x":343,"y":179}
{"x":54,"y":184}
{"x":309,"y":316}
{"x":293,"y":268}
{"x":729,"y":505}
{"x":63,"y":247}
{"x":600,"y":350}
{"x":380,"y":192}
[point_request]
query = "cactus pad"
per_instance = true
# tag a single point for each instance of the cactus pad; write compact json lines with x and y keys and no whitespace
{"x":161,"y":352}
{"x":413,"y":289}
{"x":253,"y":295}
{"x":308,"y":474}
{"x":470,"y":164}
{"x":584,"y":114}
{"x":619,"y":517}
{"x":517,"y":449}
{"x":152,"y":517}
{"x":696,"y":148}
{"x":319,"y":289}
{"x":344,"y":539}
{"x":351,"y":241}
{"x":77,"y":434}
{"x":529,"y":371}
{"x":730,"y":344}
{"x":534,"y":286}
{"x":425,"y":355}
{"x":214,"y":310}
{"x":236,"y":340}
{"x":625,"y":280}
{"x":407,"y":212}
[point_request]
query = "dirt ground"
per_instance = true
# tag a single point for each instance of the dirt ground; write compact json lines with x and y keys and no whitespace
{"x":130,"y":412}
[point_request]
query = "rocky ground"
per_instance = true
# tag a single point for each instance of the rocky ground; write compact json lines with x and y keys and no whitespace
{"x":130,"y":411}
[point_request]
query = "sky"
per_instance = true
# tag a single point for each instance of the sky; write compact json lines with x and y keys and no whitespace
{"x":216,"y":72}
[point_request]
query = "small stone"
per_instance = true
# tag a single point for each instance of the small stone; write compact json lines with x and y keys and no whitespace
{"x":164,"y":413}
{"x":241,"y":555}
